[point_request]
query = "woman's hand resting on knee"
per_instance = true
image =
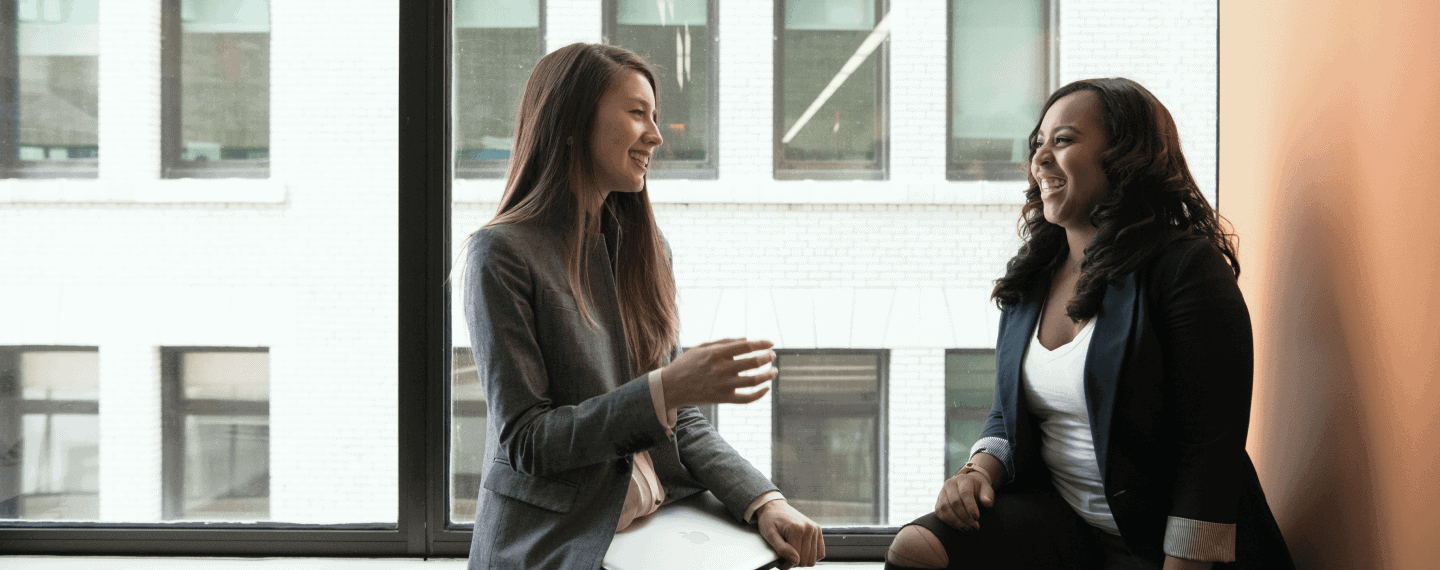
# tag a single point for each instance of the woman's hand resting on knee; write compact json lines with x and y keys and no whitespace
{"x":963,"y":495}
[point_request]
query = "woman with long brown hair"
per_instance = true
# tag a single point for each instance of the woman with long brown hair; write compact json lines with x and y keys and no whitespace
{"x":1123,"y":367}
{"x":570,"y":300}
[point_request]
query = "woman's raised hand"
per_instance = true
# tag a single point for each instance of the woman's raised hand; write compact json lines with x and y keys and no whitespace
{"x":710,"y":373}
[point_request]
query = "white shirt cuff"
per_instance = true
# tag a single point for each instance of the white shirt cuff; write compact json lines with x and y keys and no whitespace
{"x":667,"y":416}
{"x":760,"y":502}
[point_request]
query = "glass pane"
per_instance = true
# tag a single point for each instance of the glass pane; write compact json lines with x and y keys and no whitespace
{"x":58,"y":43}
{"x":969,"y":388}
{"x":225,"y":79}
{"x":497,"y":43}
{"x":826,"y":436}
{"x":227,"y":468}
{"x":1000,"y":79}
{"x":49,"y":434}
{"x":227,"y":376}
{"x":224,"y":405}
{"x":467,"y":436}
{"x":674,"y":37}
{"x":831,"y":115}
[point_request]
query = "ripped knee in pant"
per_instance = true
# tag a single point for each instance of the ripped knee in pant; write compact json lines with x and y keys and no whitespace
{"x":917,"y":547}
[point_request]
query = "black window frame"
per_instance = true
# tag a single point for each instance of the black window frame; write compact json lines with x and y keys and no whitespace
{"x":954,"y":172}
{"x":10,"y":418}
{"x":881,"y":168}
{"x":854,"y":542}
{"x":172,"y":37}
{"x":708,"y":169}
{"x":494,"y":169}
{"x":11,"y":166}
{"x":175,"y":408}
{"x":423,"y":350}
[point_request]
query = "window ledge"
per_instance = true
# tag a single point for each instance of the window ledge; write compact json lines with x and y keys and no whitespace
{"x":739,"y":191}
{"x":154,"y":191}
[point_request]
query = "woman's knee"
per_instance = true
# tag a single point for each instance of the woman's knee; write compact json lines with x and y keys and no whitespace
{"x":917,"y":547}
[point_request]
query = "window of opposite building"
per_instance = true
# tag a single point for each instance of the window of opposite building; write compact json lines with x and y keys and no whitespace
{"x":49,"y":433}
{"x":49,"y":88}
{"x":831,"y":89}
{"x":828,"y":451}
{"x":1000,"y":71}
{"x":468,"y":457}
{"x":215,"y":88}
{"x":496,"y":43}
{"x":677,"y":38}
{"x":215,"y":406}
{"x":969,"y":388}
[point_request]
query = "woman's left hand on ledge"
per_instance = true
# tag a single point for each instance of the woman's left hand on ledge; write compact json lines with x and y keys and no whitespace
{"x":794,"y":536}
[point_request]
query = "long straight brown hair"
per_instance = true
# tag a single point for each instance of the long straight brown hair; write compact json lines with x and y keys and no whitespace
{"x":549,"y":168}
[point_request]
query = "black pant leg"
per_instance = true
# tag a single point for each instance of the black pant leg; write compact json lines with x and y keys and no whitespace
{"x":1027,"y":528}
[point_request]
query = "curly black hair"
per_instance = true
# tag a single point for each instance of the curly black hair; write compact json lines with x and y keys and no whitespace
{"x":1151,"y":200}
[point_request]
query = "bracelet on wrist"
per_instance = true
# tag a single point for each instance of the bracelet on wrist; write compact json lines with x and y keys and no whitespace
{"x":971,"y":467}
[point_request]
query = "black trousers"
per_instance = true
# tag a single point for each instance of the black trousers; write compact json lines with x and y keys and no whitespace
{"x":1032,"y":528}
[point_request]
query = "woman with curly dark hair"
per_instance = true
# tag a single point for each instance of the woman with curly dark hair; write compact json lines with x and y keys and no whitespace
{"x":1123,"y":367}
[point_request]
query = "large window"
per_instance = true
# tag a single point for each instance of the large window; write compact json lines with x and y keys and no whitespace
{"x":830,"y":89}
{"x":497,"y":43}
{"x":969,"y":388}
{"x":677,"y":39}
{"x":215,"y":91}
{"x":829,"y":434}
{"x":49,"y":433}
{"x":1000,"y":73}
{"x":49,"y":90}
{"x":216,"y":459}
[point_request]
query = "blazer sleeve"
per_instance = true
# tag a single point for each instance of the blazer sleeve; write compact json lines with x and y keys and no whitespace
{"x":1204,"y":332}
{"x":716,"y":465}
{"x":711,"y":459}
{"x":536,"y":436}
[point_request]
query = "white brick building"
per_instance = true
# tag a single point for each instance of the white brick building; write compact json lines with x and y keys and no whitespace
{"x":303,"y":263}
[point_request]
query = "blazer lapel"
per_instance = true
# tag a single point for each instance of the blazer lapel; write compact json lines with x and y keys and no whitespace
{"x":1015,"y":338}
{"x":1106,"y":357}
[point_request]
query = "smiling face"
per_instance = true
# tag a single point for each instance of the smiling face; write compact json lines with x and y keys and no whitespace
{"x":625,"y":135}
{"x":1067,"y":161}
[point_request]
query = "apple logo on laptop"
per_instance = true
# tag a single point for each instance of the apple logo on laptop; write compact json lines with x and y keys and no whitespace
{"x":696,"y":537}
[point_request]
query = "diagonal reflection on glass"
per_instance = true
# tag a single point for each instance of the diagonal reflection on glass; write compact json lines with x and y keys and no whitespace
{"x":831,"y":119}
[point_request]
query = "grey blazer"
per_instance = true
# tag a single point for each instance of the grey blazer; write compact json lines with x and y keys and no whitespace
{"x":568,"y":408}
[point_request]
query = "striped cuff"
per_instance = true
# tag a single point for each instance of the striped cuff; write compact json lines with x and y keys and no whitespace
{"x":998,"y":447}
{"x":1199,"y":540}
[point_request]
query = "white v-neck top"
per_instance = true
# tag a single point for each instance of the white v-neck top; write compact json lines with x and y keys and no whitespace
{"x":1054,"y":385}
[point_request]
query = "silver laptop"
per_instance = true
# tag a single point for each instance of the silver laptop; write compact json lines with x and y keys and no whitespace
{"x":695,"y":533}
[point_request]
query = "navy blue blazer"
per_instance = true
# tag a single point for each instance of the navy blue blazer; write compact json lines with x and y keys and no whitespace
{"x":1167,"y":385}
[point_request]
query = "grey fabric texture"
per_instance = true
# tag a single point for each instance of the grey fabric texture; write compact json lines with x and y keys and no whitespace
{"x":567,"y":407}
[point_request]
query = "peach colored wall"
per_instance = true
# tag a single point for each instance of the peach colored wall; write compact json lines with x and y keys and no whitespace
{"x":1330,"y":173}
